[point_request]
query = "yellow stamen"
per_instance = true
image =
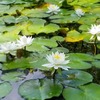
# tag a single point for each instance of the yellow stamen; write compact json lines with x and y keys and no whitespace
{"x":57,"y":56}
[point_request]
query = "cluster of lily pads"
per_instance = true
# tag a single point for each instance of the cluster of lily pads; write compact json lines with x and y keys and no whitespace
{"x":49,"y":49}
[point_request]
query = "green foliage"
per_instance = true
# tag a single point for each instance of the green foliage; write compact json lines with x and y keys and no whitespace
{"x":40,"y":90}
{"x":12,"y":76}
{"x":5,"y":89}
{"x":65,"y":32}
{"x":74,"y":78}
{"x":86,"y":92}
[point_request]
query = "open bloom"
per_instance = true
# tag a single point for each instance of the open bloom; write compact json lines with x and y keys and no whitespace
{"x":79,"y":12}
{"x":57,"y":60}
{"x":95,"y":30}
{"x":8,"y":47}
{"x":53,"y":9}
{"x":24,"y":41}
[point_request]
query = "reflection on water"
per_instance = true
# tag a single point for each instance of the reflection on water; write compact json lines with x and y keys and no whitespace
{"x":14,"y":93}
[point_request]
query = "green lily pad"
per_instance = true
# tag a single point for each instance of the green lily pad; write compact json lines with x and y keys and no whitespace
{"x":74,"y":78}
{"x":87,"y":92}
{"x":40,"y":90}
{"x":42,"y":45}
{"x":2,"y":58}
{"x":18,"y":63}
{"x":12,"y":76}
{"x":58,"y":38}
{"x":9,"y":19}
{"x":74,"y":36}
{"x":97,"y":56}
{"x":5,"y":89}
{"x":36,"y":13}
{"x":96,"y":63}
{"x":62,"y":19}
{"x":80,"y":56}
{"x":78,"y":64}
{"x":7,"y":1}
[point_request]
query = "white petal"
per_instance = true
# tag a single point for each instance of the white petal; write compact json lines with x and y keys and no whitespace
{"x":48,"y":65}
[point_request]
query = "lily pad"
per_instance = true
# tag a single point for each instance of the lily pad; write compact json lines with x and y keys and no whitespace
{"x":78,"y":64}
{"x":74,"y":36}
{"x":18,"y":63}
{"x":40,"y":44}
{"x":5,"y":89}
{"x":87,"y":92}
{"x":12,"y":76}
{"x":40,"y":90}
{"x":74,"y":78}
{"x":80,"y":56}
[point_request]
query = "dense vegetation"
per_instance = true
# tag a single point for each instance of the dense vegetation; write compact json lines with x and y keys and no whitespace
{"x":70,"y":31}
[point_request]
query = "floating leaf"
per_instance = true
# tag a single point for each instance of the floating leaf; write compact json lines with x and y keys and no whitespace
{"x":88,"y":20}
{"x":74,"y":78}
{"x":41,"y":44}
{"x":2,"y":58}
{"x":80,"y":56}
{"x":8,"y":37}
{"x":78,"y":64}
{"x":74,"y":36}
{"x":87,"y":92}
{"x":81,"y":2}
{"x":3,"y":9}
{"x":18,"y":63}
{"x":7,"y":1}
{"x":5,"y":89}
{"x":40,"y":90}
{"x":36,"y":28}
{"x":96,"y":63}
{"x":12,"y":76}
{"x":58,"y":38}
{"x":66,"y":18}
{"x":37,"y":13}
{"x":9,"y":19}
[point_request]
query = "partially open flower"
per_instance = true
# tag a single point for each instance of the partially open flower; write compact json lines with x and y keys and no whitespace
{"x":24,"y":41}
{"x":79,"y":12}
{"x":54,"y":9}
{"x":57,"y":60}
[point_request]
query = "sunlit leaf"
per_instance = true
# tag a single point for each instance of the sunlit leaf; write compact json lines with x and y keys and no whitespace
{"x":8,"y":37}
{"x":40,"y":90}
{"x":81,"y":2}
{"x":74,"y":36}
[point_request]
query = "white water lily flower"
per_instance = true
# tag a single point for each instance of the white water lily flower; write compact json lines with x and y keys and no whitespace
{"x":24,"y":41}
{"x":95,"y":30}
{"x":79,"y":12}
{"x":8,"y":47}
{"x":57,"y":60}
{"x":54,"y":9}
